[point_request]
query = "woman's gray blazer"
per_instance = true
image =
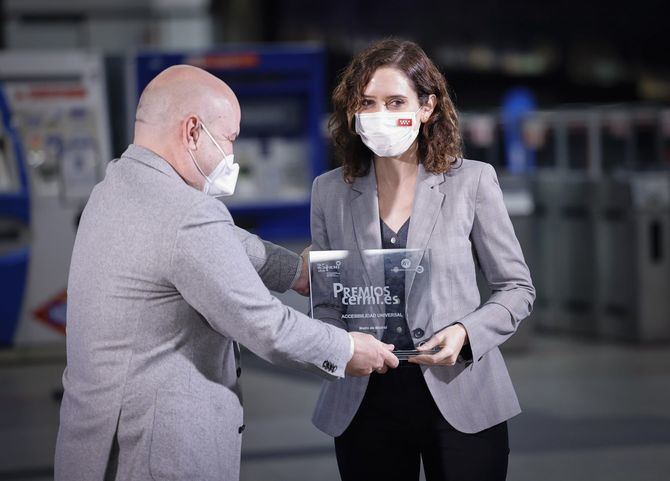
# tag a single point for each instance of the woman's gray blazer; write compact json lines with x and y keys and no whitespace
{"x":461,"y":217}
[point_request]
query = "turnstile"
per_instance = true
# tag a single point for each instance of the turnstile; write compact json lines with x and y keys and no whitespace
{"x":566,"y":273}
{"x":632,"y":233}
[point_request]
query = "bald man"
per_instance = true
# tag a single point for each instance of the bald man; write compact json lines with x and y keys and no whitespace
{"x":161,"y":286}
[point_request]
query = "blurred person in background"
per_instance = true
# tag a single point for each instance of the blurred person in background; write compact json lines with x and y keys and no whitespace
{"x":161,"y":285}
{"x":404,"y":184}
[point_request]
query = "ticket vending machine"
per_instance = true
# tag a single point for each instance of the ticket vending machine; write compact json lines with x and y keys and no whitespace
{"x":55,"y":145}
{"x":281,"y":147}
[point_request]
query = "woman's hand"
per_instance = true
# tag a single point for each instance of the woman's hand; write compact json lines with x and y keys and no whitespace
{"x":450,"y":341}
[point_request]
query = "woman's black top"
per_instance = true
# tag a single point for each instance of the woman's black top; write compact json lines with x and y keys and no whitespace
{"x":397,"y":330}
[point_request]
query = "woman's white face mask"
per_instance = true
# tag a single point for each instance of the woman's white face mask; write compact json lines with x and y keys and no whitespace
{"x":388,"y":134}
{"x":223,"y":179}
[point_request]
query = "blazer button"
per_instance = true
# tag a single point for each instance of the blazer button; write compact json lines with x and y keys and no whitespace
{"x":241,"y":429}
{"x":418,"y":333}
{"x":239,"y":371}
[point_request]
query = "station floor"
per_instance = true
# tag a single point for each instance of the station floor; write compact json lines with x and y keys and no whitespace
{"x":592,"y":411}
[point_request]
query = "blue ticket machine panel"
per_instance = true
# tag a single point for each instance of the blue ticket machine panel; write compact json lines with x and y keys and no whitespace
{"x":281,"y":148}
{"x":14,"y":225}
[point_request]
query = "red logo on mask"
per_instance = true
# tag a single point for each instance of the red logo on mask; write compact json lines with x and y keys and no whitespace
{"x":404,"y":122}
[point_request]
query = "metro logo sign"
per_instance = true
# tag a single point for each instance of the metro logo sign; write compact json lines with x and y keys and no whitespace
{"x":53,"y":312}
{"x":404,"y":122}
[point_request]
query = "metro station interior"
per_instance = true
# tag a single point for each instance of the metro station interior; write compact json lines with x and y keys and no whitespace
{"x":570,"y":103}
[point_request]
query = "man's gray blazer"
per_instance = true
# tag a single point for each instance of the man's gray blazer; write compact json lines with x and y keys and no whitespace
{"x":460,"y":216}
{"x":161,"y":283}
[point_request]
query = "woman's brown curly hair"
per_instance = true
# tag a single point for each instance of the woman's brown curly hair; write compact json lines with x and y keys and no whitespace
{"x":440,"y":142}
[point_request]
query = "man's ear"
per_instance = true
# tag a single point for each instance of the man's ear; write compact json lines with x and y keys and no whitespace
{"x":191,"y":132}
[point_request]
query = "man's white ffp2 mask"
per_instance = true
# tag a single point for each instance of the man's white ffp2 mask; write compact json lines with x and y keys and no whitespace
{"x":223,"y":179}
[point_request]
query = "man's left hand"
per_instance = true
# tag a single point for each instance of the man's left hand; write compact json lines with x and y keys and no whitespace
{"x":301,"y":285}
{"x":450,"y":341}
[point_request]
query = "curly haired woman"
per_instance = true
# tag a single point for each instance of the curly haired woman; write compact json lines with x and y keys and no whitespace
{"x":404,"y":184}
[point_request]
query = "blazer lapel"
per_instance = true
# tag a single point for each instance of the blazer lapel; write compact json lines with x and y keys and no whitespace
{"x":425,"y":210}
{"x":364,"y":206}
{"x":365,"y":211}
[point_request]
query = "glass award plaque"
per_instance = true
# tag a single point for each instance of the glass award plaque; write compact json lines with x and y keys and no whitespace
{"x":369,"y":291}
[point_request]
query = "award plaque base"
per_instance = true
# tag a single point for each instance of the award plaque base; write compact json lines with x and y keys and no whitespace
{"x":405,"y":354}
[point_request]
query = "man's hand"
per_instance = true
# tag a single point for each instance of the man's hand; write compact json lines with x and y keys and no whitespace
{"x":301,"y":285}
{"x":450,"y":340}
{"x":370,"y":355}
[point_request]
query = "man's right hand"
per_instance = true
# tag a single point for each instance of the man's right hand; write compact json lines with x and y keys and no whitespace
{"x":370,"y":355}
